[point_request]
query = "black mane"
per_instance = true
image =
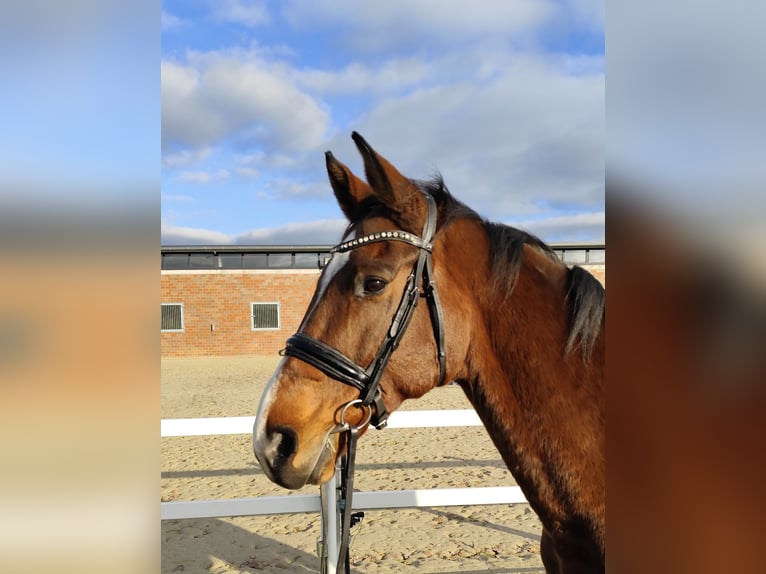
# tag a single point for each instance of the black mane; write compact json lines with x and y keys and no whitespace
{"x":585,"y":294}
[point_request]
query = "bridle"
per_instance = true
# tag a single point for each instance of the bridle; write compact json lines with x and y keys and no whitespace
{"x":338,"y":366}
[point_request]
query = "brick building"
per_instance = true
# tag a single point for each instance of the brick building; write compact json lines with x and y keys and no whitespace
{"x":237,"y":300}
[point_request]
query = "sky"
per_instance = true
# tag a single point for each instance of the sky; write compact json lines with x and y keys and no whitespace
{"x":503,"y":98}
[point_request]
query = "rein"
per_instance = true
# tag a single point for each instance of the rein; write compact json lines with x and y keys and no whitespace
{"x":338,"y":366}
{"x":348,"y":518}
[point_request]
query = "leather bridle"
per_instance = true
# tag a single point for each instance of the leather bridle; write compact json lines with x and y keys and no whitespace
{"x":338,"y":366}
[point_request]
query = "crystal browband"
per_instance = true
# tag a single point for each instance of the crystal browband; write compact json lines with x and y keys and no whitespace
{"x":382,"y":236}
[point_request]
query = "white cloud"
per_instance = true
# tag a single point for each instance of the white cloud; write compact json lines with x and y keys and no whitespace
{"x":174,"y":235}
{"x":167,"y":197}
{"x":575,"y":227}
{"x":581,"y":226}
{"x":203,"y":177}
{"x":264,"y":160}
{"x":248,"y":172}
{"x":404,"y":24}
{"x":516,"y":135}
{"x":185,"y":157}
{"x":588,"y":13}
{"x":355,"y":78}
{"x":321,"y":232}
{"x":289,"y":188}
{"x":528,"y":138}
{"x":523,"y":139}
{"x":169,"y":21}
{"x":251,"y":13}
{"x":217,"y":95}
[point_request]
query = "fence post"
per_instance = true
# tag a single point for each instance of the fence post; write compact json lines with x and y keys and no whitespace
{"x":328,"y":545}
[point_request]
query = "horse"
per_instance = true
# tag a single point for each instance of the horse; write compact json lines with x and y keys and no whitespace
{"x":520,"y":332}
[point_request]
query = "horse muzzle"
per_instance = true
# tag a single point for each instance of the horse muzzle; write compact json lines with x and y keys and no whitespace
{"x":277,"y":451}
{"x":296,"y":446}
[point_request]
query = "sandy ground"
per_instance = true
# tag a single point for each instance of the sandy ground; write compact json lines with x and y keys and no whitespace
{"x":494,"y":539}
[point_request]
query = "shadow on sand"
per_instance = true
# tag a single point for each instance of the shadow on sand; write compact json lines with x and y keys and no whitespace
{"x":217,"y":546}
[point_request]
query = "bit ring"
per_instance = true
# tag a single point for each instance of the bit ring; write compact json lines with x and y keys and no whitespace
{"x":361,"y":425}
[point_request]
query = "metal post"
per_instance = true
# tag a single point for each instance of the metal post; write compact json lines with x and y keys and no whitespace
{"x":328,"y":545}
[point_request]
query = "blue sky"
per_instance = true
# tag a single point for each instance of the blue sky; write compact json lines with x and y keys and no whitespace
{"x":504,"y":98}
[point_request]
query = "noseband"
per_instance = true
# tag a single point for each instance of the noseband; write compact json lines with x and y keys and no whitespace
{"x":338,"y":366}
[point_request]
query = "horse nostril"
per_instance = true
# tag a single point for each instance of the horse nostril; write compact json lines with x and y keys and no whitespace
{"x":285,"y":441}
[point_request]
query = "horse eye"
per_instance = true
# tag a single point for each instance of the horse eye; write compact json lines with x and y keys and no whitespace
{"x":374,"y":285}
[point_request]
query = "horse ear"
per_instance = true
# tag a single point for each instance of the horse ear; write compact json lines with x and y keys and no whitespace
{"x":391,"y":186}
{"x":349,"y":189}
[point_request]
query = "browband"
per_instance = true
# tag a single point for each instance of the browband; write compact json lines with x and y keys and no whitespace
{"x":383,"y":236}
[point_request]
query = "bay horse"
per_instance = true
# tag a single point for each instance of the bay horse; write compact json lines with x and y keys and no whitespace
{"x":506,"y":319}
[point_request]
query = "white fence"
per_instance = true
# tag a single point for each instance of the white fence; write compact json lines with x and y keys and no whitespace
{"x":326,"y":502}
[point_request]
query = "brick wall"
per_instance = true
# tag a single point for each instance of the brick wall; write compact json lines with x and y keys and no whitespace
{"x":222,"y":299}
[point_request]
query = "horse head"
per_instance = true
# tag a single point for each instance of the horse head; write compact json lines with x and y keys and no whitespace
{"x":340,"y":368}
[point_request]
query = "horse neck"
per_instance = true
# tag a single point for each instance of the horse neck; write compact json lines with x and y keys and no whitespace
{"x":537,"y":404}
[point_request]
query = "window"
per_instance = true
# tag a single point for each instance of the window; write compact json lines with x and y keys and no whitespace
{"x":280,"y":260}
{"x":255,"y":260}
{"x":202,"y":261}
{"x":230,"y":261}
{"x":265,"y":316}
{"x":306,"y":261}
{"x":172,"y":316}
{"x":175,"y":260}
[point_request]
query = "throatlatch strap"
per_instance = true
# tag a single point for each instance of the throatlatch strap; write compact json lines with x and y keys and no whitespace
{"x":437,"y":321}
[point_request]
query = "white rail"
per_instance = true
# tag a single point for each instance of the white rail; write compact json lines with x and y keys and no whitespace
{"x":291,"y":504}
{"x":244,"y":425}
{"x":326,"y":502}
